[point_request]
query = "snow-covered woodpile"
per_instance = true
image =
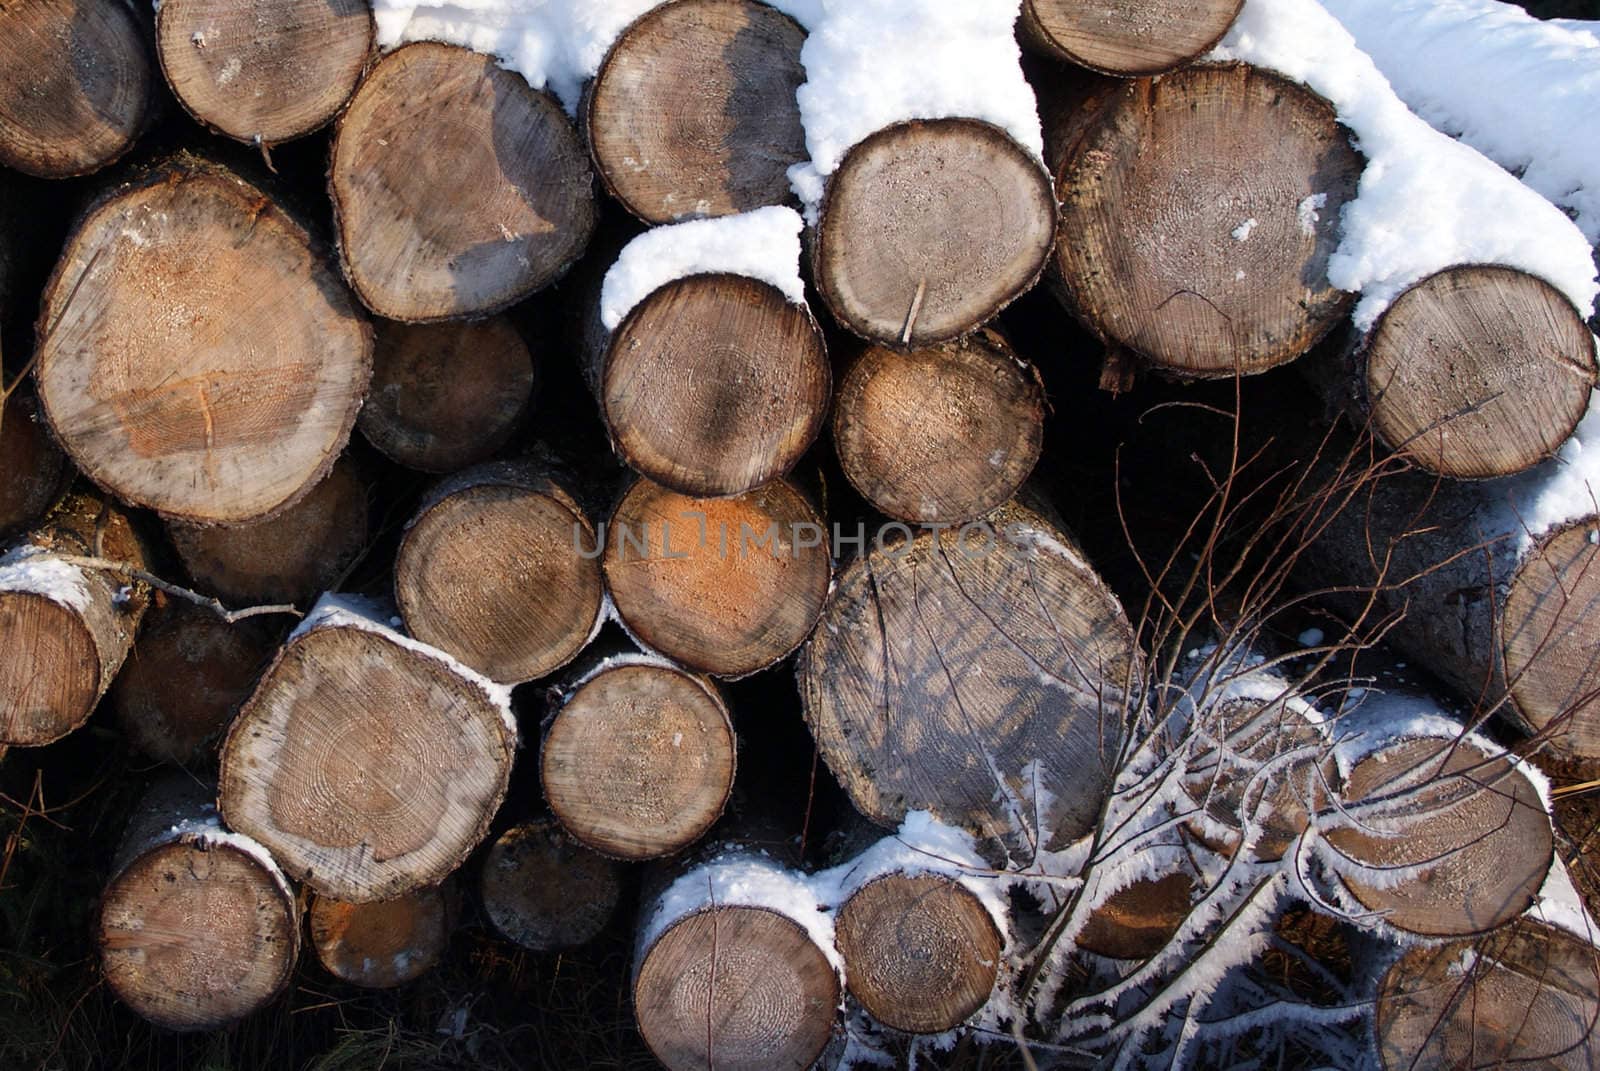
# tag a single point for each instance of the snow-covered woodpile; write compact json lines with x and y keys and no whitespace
{"x":484,"y":449}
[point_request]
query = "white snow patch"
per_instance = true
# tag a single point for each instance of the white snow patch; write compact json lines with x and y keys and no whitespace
{"x":1242,"y":232}
{"x":873,"y":63}
{"x":1560,"y":905}
{"x":1309,"y":213}
{"x":762,"y":244}
{"x":1425,"y":202}
{"x":33,"y":570}
{"x":1311,"y":637}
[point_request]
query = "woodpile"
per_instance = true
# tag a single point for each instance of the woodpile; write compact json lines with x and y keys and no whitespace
{"x":592,"y":654}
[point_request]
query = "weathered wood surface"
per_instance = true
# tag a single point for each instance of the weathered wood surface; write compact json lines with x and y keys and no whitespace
{"x":1126,"y":37}
{"x":544,"y":891}
{"x":384,"y":944}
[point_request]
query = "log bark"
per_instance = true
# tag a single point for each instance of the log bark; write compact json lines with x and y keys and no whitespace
{"x":263,"y":74}
{"x":445,"y":396}
{"x":496,"y":569}
{"x":1523,"y":996}
{"x":940,"y":435}
{"x":544,"y":891}
{"x":189,"y":326}
{"x":921,"y":952}
{"x":370,"y":765}
{"x":184,"y":680}
{"x":929,"y":228}
{"x":1444,"y":839}
{"x":1199,"y":212}
{"x":984,"y":675}
{"x":67,"y":627}
{"x":75,"y":85}
{"x":712,"y":385}
{"x":36,"y":470}
{"x":198,"y":927}
{"x":726,"y":976}
{"x":1474,"y":372}
{"x":290,"y":558}
{"x":1130,"y":38}
{"x":693,"y":110}
{"x":458,"y":190}
{"x":727,"y":586}
{"x":638,"y":759}
{"x":385,"y":944}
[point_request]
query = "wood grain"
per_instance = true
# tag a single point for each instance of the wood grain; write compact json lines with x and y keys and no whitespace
{"x":1126,"y":37}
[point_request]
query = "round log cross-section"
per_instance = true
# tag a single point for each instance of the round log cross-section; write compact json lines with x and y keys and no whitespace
{"x":1199,"y":212}
{"x":75,"y":85}
{"x":1552,"y":660}
{"x":544,"y":891}
{"x":457,"y":188}
{"x":197,"y":355}
{"x":383,"y":944}
{"x":1445,"y":839}
{"x":693,"y":110}
{"x":1127,"y":37}
{"x":1478,"y":371}
{"x":370,"y":765}
{"x":639,"y":761}
{"x":929,"y":228}
{"x":727,"y":586}
{"x":920,"y":951}
{"x":940,"y":435}
{"x":1137,"y":922}
{"x":263,"y":72}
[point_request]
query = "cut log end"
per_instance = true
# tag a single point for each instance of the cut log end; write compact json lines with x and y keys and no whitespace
{"x":543,"y":891}
{"x":727,"y":586}
{"x":497,"y":574}
{"x":735,"y":987}
{"x":1524,"y":997}
{"x":1451,"y":841}
{"x":75,"y":85}
{"x":715,"y":384}
{"x":196,"y":936}
{"x":941,"y":435}
{"x":1130,"y":38}
{"x":1199,"y":212}
{"x":210,"y":364}
{"x":446,"y":396}
{"x":930,"y":228}
{"x":1552,"y":657}
{"x":693,"y":111}
{"x":368,"y":768}
{"x":920,"y":952}
{"x":50,"y":676}
{"x":639,"y":762}
{"x":384,"y":944}
{"x":458,"y":189}
{"x":263,"y":73}
{"x":1138,"y":921}
{"x":1478,"y":371}
{"x":289,"y":558}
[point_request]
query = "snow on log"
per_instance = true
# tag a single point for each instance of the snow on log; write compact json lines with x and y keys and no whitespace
{"x":1129,"y":39}
{"x":711,"y":373}
{"x":1511,"y":86}
{"x":727,"y":586}
{"x":197,"y":355}
{"x":445,"y":396}
{"x":1522,"y":996}
{"x":184,"y":680}
{"x":75,"y":85}
{"x":1200,"y":211}
{"x":370,"y":764}
{"x":67,"y":627}
{"x":638,"y":758}
{"x":940,"y":435}
{"x":1438,"y":832}
{"x":693,"y":111}
{"x":495,"y":568}
{"x":735,"y":968}
{"x":545,"y":891}
{"x":263,"y":73}
{"x":983,"y":675}
{"x":387,"y":943}
{"x":931,"y":207}
{"x":458,"y":190}
{"x":36,"y":470}
{"x":293,"y":556}
{"x":198,"y":927}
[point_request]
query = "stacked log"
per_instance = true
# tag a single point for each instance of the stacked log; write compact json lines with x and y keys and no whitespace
{"x":38,"y":471}
{"x":1131,"y":40}
{"x":543,"y":890}
{"x":384,"y":944}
